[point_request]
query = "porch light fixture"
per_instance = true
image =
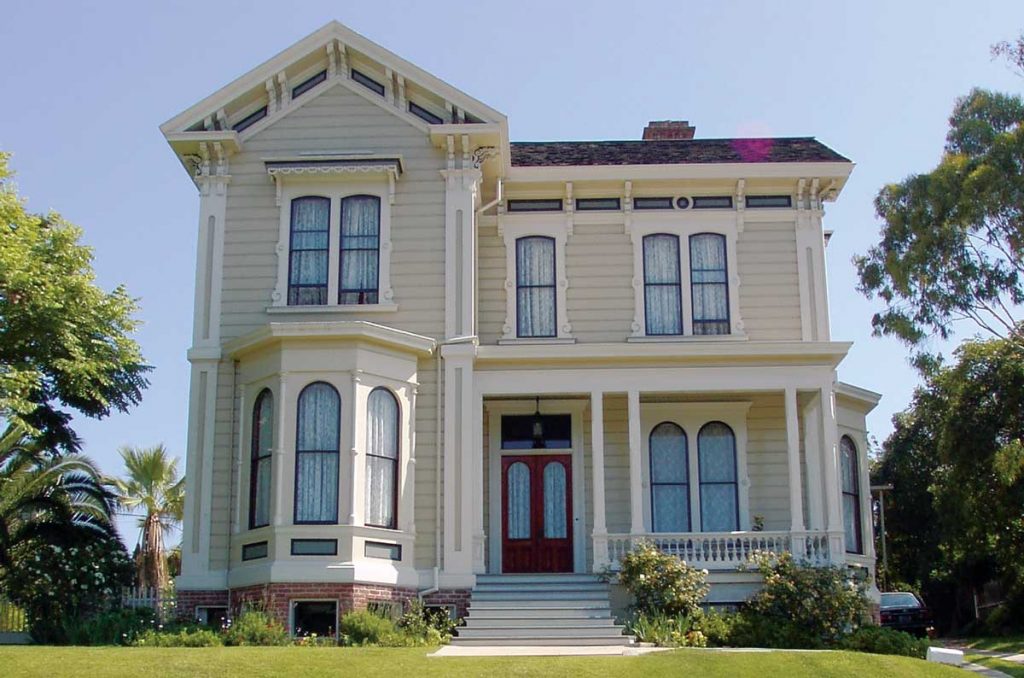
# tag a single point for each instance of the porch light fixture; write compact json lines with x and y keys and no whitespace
{"x":538,"y":428}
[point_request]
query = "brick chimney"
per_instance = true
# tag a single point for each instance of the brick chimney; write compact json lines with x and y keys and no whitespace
{"x":660,"y":130}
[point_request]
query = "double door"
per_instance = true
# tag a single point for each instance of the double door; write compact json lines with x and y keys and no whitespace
{"x":536,"y":516}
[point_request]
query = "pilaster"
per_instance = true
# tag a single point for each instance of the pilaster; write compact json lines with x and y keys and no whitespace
{"x":460,"y":466}
{"x":600,"y":535}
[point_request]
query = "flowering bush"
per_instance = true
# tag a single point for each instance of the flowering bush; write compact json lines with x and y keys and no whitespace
{"x":435,"y":626}
{"x":255,"y":627}
{"x":662,"y":584}
{"x":183,"y":637}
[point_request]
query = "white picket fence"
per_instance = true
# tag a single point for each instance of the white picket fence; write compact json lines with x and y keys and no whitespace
{"x":164,"y":603}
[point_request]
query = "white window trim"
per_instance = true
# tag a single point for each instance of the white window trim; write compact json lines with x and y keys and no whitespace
{"x":338,"y":187}
{"x":691,"y":417}
{"x":683,"y":225}
{"x":513,"y":228}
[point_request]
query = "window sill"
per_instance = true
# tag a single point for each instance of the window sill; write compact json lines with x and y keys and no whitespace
{"x":686,"y":338}
{"x":333,"y":308}
{"x":540,"y":340}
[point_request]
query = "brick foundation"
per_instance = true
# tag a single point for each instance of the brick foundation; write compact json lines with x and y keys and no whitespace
{"x":189,"y":600}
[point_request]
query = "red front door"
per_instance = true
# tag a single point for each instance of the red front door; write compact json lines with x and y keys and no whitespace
{"x":536,"y":513}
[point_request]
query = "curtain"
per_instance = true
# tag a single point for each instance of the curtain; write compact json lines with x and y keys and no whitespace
{"x":381,"y":458}
{"x":709,"y":284}
{"x":262,"y":448}
{"x":662,"y":293}
{"x":850,"y":490}
{"x":670,"y":500}
{"x":310,"y":228}
{"x":316,"y":462}
{"x":535,"y":287}
{"x":360,"y":249}
{"x":716,"y":449}
{"x":555,"y":501}
{"x":518,"y":501}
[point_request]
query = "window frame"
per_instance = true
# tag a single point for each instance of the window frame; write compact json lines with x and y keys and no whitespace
{"x":298,"y":453}
{"x":512,"y":228}
{"x":693,"y":286}
{"x":396,"y":460}
{"x":291,"y":249}
{"x":855,"y":494}
{"x":342,"y":249}
{"x":735,"y":483}
{"x":678,"y":284}
{"x":255,"y":459}
{"x":553,"y":286}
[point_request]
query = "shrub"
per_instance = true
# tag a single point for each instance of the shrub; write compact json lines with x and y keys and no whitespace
{"x":756,"y":630}
{"x":115,"y":627}
{"x":718,"y":627}
{"x":185,"y":637}
{"x":436,"y":626}
{"x":878,"y":640}
{"x":666,"y":631}
{"x":367,"y":628}
{"x":255,"y":627}
{"x":662,"y":584}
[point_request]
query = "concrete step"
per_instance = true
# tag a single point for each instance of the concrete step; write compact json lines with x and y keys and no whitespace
{"x":552,"y":631}
{"x":538,"y":578}
{"x":538,"y":622}
{"x":531,"y":604}
{"x":554,"y":589}
{"x":539,"y":641}
{"x":539,"y":613}
{"x":531,"y":596}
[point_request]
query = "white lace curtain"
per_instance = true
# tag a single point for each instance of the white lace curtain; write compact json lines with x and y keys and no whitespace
{"x":316,"y":472}
{"x":381,"y":458}
{"x":555,"y":518}
{"x":709,"y":283}
{"x":716,"y":450}
{"x":518,"y":500}
{"x":535,"y":287}
{"x":670,"y":488}
{"x":310,"y":228}
{"x":662,"y":286}
{"x":850,"y":490}
{"x":262,"y":448}
{"x":360,"y":249}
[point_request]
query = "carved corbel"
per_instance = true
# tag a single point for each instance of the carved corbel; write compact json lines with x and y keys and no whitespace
{"x":343,"y":60}
{"x":286,"y":93}
{"x":741,"y":204}
{"x":391,"y":186}
{"x":569,"y":209}
{"x":401,"y":92}
{"x":450,"y":139}
{"x":627,"y":204}
{"x":501,"y":218}
{"x":222,"y":119}
{"x":482,"y":154}
{"x":815,"y":205}
{"x":271,"y":94}
{"x":466,"y":162}
{"x":332,"y":60}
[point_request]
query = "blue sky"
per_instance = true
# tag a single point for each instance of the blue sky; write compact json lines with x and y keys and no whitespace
{"x":86,"y":84}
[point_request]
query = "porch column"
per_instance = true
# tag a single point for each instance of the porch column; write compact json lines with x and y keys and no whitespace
{"x":812,"y":444}
{"x":600,"y":536}
{"x":636,"y":516}
{"x":479,"y":538}
{"x":830,"y":467}
{"x":459,"y":466}
{"x":796,"y":503}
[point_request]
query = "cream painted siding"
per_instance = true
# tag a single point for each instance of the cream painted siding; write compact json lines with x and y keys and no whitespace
{"x":491,"y":283}
{"x":769,"y":281}
{"x":599,"y":269}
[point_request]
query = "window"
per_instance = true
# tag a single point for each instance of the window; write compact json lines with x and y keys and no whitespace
{"x":316,"y":454}
{"x":424,"y":114}
{"x":769,"y":201}
{"x":652,"y":203}
{"x":520,"y":432}
{"x":308,"y":251}
{"x":535,"y":287}
{"x":552,"y":205}
{"x":367,"y":82}
{"x":250,"y":120}
{"x":719,"y":489}
{"x":308,"y":84}
{"x":709,"y":286}
{"x":260,"y":465}
{"x":360,"y":249}
{"x":379,"y":549}
{"x":315,"y":617}
{"x":683,"y":203}
{"x":598,"y":204}
{"x":381,"y":459}
{"x":663,"y":305}
{"x":254,"y":551}
{"x":712,"y":202}
{"x":555,"y":488}
{"x":211,"y":615}
{"x":518,"y":501}
{"x":670,"y":482}
{"x":851,"y":495}
{"x":314,"y":547}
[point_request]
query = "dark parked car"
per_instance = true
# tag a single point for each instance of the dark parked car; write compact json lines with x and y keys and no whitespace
{"x":904,"y":611}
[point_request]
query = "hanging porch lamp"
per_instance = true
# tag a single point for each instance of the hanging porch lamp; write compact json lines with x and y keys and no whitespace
{"x":538,"y":428}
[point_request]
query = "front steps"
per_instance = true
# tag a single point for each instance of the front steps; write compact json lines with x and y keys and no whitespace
{"x":538,"y":610}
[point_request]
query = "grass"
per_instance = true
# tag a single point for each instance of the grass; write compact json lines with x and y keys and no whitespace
{"x":1014,"y":669}
{"x":996,"y":643}
{"x":222,"y":662}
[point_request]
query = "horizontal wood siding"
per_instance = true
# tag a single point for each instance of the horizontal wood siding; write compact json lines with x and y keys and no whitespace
{"x":769,"y":282}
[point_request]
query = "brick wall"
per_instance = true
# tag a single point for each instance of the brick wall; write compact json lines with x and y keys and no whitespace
{"x":188,"y":601}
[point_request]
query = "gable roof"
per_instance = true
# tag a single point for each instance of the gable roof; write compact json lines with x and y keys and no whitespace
{"x":671,"y":152}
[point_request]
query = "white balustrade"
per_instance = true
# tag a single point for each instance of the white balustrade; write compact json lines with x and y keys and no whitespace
{"x":725,"y":550}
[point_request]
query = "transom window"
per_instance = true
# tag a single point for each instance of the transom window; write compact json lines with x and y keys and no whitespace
{"x":536,"y":314}
{"x":260,"y":469}
{"x":851,"y":495}
{"x":317,"y":437}
{"x":663,"y":306}
{"x":709,"y":284}
{"x":382,"y":459}
{"x":360,"y":249}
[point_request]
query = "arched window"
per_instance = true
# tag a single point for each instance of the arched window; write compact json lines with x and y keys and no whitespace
{"x":848,"y":468}
{"x":260,"y":460}
{"x":670,"y":479}
{"x":663,"y":310}
{"x":360,"y":250}
{"x":709,"y":284}
{"x":535,"y":287}
{"x":519,"y":510}
{"x":308,"y":251}
{"x":381,"y":459}
{"x":719,"y":489}
{"x":317,"y":435}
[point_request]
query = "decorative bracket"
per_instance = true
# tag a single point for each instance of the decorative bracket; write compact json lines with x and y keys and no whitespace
{"x":569,"y":208}
{"x":627,"y":204}
{"x":482,"y":154}
{"x":740,"y":204}
{"x":271,"y":94}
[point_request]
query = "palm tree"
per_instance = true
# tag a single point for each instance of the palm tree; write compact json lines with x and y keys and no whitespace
{"x":152,"y":491}
{"x":46,"y":497}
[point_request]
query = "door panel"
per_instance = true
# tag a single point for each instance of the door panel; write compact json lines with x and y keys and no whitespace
{"x":536,"y":497}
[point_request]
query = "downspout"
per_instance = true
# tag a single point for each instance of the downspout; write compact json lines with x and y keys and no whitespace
{"x":497,"y":197}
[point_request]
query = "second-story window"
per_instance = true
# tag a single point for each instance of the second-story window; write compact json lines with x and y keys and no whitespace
{"x":709,"y":284}
{"x":535,"y":287}
{"x":360,"y":250}
{"x":308,"y":251}
{"x":663,"y":308}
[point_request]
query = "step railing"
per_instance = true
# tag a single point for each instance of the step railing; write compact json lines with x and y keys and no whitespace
{"x":725,"y":550}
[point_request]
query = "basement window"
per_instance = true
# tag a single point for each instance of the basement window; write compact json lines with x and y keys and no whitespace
{"x":315,"y":617}
{"x":250,"y":120}
{"x":712,"y":202}
{"x":367,"y":82}
{"x":424,"y":114}
{"x":652,"y":203}
{"x":598,"y":204}
{"x":551,"y":205}
{"x":308,"y":84}
{"x":769,"y":201}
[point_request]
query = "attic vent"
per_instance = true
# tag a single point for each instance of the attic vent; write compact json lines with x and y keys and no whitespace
{"x":652,"y":203}
{"x":309,"y":84}
{"x":769,"y":201}
{"x":423,"y":113}
{"x":597,"y":204}
{"x":367,"y":82}
{"x":250,"y":120}
{"x":706,"y":202}
{"x":548,"y":205}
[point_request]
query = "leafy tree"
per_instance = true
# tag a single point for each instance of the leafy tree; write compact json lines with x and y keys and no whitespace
{"x":65,"y":344}
{"x":154,"y":492}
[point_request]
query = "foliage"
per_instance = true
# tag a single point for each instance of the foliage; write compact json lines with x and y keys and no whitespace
{"x":956,"y":462}
{"x":878,"y":640}
{"x":662,"y":583}
{"x":951,"y":245}
{"x":757,"y":630}
{"x":718,"y":627}
{"x":822,"y":602}
{"x":65,"y":344}
{"x":120,"y":626}
{"x":184,"y":637}
{"x":255,"y":627}
{"x":153,"y":490}
{"x":414,"y":629}
{"x":666,"y":631}
{"x":432,"y":625}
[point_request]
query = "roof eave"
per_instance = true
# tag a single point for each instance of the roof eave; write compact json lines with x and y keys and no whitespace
{"x":721,"y":170}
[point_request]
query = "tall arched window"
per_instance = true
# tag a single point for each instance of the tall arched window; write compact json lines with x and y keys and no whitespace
{"x":317,"y":435}
{"x":848,"y":468}
{"x":719,"y":489}
{"x":308,"y":251}
{"x":382,"y":459}
{"x":536,"y":315}
{"x":670,"y":479}
{"x":709,"y":284}
{"x":663,"y":298}
{"x":260,"y":460}
{"x":360,"y":250}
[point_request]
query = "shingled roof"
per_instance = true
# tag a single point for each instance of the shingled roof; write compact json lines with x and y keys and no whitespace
{"x":674,"y":152}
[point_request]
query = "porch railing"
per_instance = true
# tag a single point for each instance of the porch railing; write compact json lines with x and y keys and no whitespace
{"x":725,"y":550}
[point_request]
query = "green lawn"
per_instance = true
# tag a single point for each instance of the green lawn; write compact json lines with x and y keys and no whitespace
{"x":413,"y":663}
